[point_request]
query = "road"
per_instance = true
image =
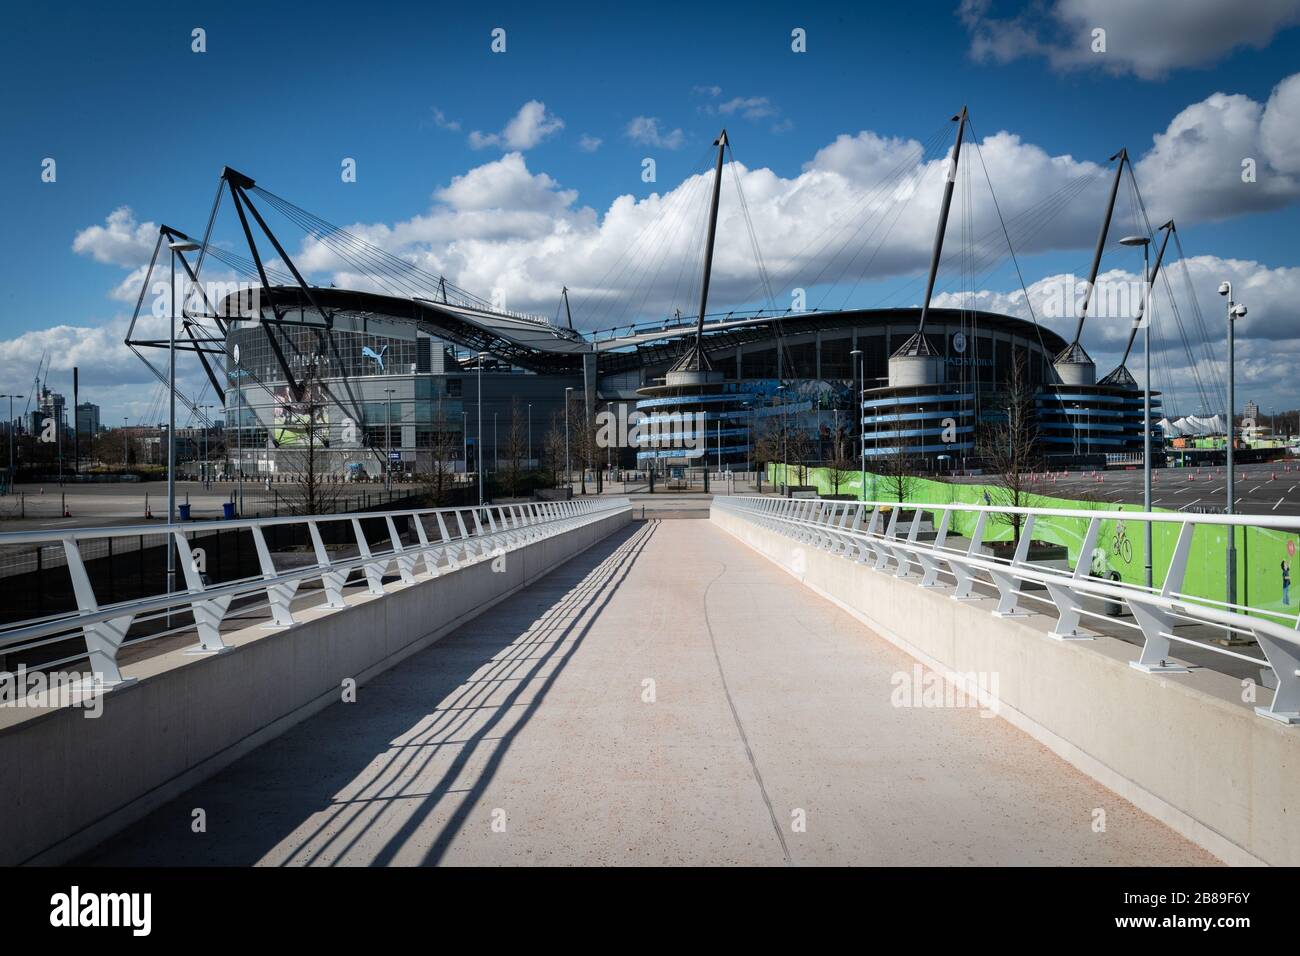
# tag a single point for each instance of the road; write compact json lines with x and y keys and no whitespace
{"x":667,"y":697}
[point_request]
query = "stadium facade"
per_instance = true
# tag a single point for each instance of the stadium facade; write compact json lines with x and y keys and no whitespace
{"x":400,"y":380}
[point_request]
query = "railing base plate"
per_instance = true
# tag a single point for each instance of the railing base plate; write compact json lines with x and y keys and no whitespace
{"x":198,"y":650}
{"x":1284,"y":718}
{"x":1159,"y":668}
{"x":1072,"y":636}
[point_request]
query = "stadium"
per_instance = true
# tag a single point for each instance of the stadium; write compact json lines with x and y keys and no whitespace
{"x":407,"y":373}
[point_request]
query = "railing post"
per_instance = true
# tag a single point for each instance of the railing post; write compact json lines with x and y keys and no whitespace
{"x":103,"y":638}
{"x":330,"y":580}
{"x":966,"y":579}
{"x":1156,"y":622}
{"x":209,"y":612}
{"x":279,"y":594}
{"x":373,"y":570}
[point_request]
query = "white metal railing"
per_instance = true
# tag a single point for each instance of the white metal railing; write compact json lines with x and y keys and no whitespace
{"x":445,"y":539}
{"x":876,"y":534}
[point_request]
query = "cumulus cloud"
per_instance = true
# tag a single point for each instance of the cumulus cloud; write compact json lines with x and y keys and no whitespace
{"x":1195,"y":167}
{"x":1268,"y":338}
{"x":588,"y":143}
{"x":645,"y":130}
{"x":526,"y":129}
{"x":861,"y":209}
{"x":1146,"y":39}
{"x":120,"y":241}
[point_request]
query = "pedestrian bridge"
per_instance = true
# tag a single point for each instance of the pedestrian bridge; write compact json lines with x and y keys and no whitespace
{"x":785,"y":683}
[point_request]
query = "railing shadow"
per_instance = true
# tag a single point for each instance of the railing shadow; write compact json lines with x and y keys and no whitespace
{"x":333,"y":786}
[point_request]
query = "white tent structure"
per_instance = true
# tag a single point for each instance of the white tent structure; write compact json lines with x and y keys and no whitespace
{"x":1194,"y":426}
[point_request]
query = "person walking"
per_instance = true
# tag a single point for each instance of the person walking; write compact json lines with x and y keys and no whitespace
{"x":1286,"y":582}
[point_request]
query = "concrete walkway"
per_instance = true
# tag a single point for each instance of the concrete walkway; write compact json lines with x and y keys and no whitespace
{"x":668,"y":697}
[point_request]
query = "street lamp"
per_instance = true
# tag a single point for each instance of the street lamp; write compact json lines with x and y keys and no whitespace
{"x":203,"y":467}
{"x":175,"y":246}
{"x":1144,"y":307}
{"x":1235,"y":311}
{"x":568,"y":471}
{"x":125,"y":451}
{"x":482,"y":357}
{"x":856,"y":355}
{"x":530,"y":436}
{"x":388,"y":438}
{"x":12,"y":470}
{"x":239,"y":426}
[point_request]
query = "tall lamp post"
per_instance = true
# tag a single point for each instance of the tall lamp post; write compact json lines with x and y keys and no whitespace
{"x":1144,"y":306}
{"x":175,"y":246}
{"x":239,"y":427}
{"x":388,"y":438}
{"x":125,"y":450}
{"x":856,"y":356}
{"x":568,"y":471}
{"x":1235,"y":311}
{"x":530,"y":436}
{"x":12,"y":469}
{"x":482,"y":357}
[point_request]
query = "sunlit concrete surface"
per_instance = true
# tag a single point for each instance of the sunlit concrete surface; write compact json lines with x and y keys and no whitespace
{"x":667,"y":697}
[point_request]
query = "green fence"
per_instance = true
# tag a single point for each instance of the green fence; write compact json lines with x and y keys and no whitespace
{"x":1260,"y":551}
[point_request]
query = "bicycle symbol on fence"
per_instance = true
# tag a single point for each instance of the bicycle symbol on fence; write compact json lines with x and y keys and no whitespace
{"x":1121,"y":545}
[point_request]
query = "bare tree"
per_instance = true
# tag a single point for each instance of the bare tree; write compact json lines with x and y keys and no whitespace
{"x":443,"y":445}
{"x":304,"y":430}
{"x":782,"y":440}
{"x":516,"y":449}
{"x":843,"y":463}
{"x":899,"y":467}
{"x":1009,"y":447}
{"x":553,"y":449}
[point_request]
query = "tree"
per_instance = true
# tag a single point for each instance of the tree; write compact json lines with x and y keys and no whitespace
{"x":898,"y":468}
{"x":1009,"y":448}
{"x":304,"y":428}
{"x":443,"y":445}
{"x":844,"y":464}
{"x":553,"y":449}
{"x":783,"y":440}
{"x":516,"y":449}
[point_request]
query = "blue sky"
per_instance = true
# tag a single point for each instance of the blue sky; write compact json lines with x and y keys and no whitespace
{"x":135,"y":119}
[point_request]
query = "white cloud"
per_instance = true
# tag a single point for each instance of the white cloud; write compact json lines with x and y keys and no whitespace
{"x":588,"y":143}
{"x":1268,"y":338}
{"x":120,"y":241}
{"x":1194,"y":170}
{"x":526,"y":129}
{"x":501,"y":225}
{"x":750,"y":107}
{"x":440,"y":120}
{"x":1146,"y":39}
{"x":645,"y":130}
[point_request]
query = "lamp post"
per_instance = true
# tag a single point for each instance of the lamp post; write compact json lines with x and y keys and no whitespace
{"x":530,"y":436}
{"x":1235,"y":311}
{"x":388,"y":438}
{"x":125,"y":450}
{"x":464,"y":441}
{"x":478,"y":433}
{"x":568,"y":472}
{"x":203,"y":467}
{"x":12,"y":470}
{"x":856,"y":356}
{"x":239,"y":428}
{"x":1145,"y":243}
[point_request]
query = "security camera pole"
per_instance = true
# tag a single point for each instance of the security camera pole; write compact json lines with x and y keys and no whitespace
{"x":1145,"y":243}
{"x":1235,"y":311}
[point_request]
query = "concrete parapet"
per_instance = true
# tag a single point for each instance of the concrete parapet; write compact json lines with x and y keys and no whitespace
{"x":1186,"y":748}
